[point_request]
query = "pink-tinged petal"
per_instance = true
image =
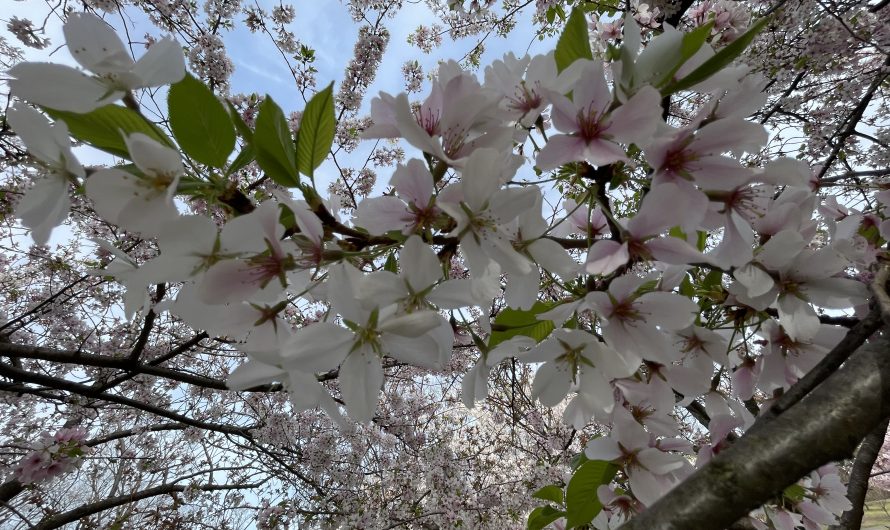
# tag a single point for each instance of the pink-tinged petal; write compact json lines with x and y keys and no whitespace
{"x":422,"y":351}
{"x":551,"y":384}
{"x":522,"y":290}
{"x":411,"y":324}
{"x":605,"y":256}
{"x":836,"y":293}
{"x":480,"y":177}
{"x":413,"y":182}
{"x":317,"y":347}
{"x":735,"y":248}
{"x":361,"y":376}
{"x":613,"y":364}
{"x":757,"y":281}
{"x":719,"y":173}
{"x":782,"y":519}
{"x":603,"y":448}
{"x":781,"y":249}
{"x":188,"y":235}
{"x":379,"y":215}
{"x":413,"y":133}
{"x":419,"y":264}
{"x":474,"y":386}
{"x":229,"y":281}
{"x":564,"y":114}
{"x":591,"y":93}
{"x":152,"y":157}
{"x":507,"y":204}
{"x":659,"y":462}
{"x":162,"y":64}
{"x":59,"y":87}
{"x":381,"y":289}
{"x":254,"y":373}
{"x":44,"y":207}
{"x":499,"y":248}
{"x":561,"y":149}
{"x":786,"y":171}
{"x":729,"y":134}
{"x":797,"y":317}
{"x":816,"y":513}
{"x":553,"y":258}
{"x":743,"y":383}
{"x":383,"y":117}
{"x":600,"y":152}
{"x":675,"y":251}
{"x":645,"y":487}
{"x":635,"y":121}
{"x":94,"y":45}
{"x":665,"y":206}
{"x":306,"y":393}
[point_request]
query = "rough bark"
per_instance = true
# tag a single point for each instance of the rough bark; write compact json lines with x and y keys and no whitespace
{"x":825,"y":426}
{"x":858,"y":484}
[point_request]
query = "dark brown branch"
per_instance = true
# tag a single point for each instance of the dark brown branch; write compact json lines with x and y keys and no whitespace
{"x":23,"y":376}
{"x":56,"y":521}
{"x":20,"y":351}
{"x":858,"y":484}
{"x":825,"y":427}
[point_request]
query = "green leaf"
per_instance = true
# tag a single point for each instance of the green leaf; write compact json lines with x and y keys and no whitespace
{"x":274,"y":146}
{"x":549,"y":493}
{"x":246,"y":156}
{"x":317,"y":128}
{"x":242,"y":128}
{"x":574,"y":43}
{"x":391,"y":264}
{"x":689,"y":46}
{"x":542,"y":516}
{"x":795,"y":492}
{"x":719,"y":61}
{"x":105,"y":127}
{"x":200,"y":122}
{"x":582,"y":503}
{"x":512,"y":322}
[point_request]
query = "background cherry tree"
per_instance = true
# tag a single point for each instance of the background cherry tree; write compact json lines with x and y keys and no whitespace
{"x":637,"y":281}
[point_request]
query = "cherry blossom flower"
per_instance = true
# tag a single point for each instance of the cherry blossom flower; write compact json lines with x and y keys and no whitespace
{"x":46,"y":205}
{"x":634,"y":324}
{"x":140,"y":203}
{"x":592,"y":128}
{"x":97,"y":48}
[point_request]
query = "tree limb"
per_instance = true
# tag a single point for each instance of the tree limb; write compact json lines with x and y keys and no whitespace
{"x":824,"y":427}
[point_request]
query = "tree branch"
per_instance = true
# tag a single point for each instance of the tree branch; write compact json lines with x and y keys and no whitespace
{"x":858,"y":484}
{"x":56,"y":521}
{"x":825,"y":427}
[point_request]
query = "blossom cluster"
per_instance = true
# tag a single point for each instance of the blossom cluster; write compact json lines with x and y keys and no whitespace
{"x":53,"y":455}
{"x":625,"y":341}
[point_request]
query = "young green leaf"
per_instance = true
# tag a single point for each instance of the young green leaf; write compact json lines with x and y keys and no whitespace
{"x":574,"y":43}
{"x":549,"y":493}
{"x":719,"y":61}
{"x":512,"y":322}
{"x":200,"y":122}
{"x":689,"y":46}
{"x":317,"y":128}
{"x":105,"y":127}
{"x":542,"y":516}
{"x":273,"y":144}
{"x":582,"y":502}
